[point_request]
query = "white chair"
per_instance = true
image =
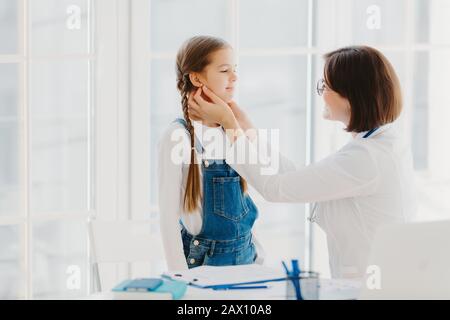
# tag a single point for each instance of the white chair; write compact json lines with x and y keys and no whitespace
{"x":122,"y":241}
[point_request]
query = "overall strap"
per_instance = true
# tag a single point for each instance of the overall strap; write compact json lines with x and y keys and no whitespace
{"x":197,"y":143}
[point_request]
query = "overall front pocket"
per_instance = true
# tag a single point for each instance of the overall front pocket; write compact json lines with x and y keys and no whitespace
{"x":228,"y":198}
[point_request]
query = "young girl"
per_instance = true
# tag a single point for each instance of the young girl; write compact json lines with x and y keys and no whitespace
{"x":206,"y":215}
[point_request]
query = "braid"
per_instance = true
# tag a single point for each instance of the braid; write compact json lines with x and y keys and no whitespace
{"x":192,"y":194}
{"x":184,"y":103}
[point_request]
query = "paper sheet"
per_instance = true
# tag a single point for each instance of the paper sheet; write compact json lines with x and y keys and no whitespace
{"x":211,"y":275}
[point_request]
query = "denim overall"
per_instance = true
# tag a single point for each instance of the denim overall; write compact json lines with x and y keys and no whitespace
{"x":228,"y":217}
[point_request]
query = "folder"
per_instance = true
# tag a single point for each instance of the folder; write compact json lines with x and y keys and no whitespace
{"x":139,"y":285}
{"x":165,"y":289}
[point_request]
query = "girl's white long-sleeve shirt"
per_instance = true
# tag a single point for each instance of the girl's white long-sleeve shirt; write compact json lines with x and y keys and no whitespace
{"x":173,"y":167}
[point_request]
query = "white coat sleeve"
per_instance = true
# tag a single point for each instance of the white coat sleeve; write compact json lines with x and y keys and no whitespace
{"x":348,"y":173}
{"x":170,"y":188}
{"x":264,"y":146}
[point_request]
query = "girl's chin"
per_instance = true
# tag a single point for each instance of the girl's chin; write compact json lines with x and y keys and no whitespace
{"x":226,"y":97}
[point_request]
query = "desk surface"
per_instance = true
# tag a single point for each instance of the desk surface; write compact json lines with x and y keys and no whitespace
{"x":337,"y":289}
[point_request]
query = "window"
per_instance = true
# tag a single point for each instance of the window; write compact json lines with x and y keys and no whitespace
{"x":46,"y":167}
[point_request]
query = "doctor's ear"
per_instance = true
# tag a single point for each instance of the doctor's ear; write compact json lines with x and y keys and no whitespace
{"x":195,"y":80}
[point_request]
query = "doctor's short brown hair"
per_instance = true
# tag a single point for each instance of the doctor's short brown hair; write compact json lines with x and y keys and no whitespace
{"x":366,"y":78}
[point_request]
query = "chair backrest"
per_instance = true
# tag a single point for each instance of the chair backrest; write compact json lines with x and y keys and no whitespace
{"x":124,"y":241}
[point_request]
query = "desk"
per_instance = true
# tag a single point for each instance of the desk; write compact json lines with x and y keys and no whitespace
{"x":336,"y":289}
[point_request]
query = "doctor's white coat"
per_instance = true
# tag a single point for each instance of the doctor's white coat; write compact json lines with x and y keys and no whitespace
{"x":367,"y":183}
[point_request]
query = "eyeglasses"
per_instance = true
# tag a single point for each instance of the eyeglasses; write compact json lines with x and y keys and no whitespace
{"x":321,"y":86}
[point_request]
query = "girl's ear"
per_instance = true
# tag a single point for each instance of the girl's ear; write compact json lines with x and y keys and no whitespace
{"x":194,"y":77}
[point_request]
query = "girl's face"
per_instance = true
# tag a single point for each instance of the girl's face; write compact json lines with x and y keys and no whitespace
{"x":220,"y":75}
{"x":337,"y":108}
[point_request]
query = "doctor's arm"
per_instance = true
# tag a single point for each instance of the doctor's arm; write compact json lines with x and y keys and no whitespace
{"x":261,"y":138}
{"x":348,"y":173}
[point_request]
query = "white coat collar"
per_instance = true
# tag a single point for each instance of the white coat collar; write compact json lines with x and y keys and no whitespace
{"x":380,"y":130}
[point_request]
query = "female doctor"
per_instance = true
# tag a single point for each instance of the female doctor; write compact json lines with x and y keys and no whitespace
{"x":366,"y":184}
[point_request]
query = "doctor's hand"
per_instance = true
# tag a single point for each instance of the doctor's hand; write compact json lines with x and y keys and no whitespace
{"x":241,"y":117}
{"x":216,"y":111}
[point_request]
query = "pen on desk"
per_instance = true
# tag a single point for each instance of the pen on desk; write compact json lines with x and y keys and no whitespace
{"x":295,"y":267}
{"x":285,"y":268}
{"x":296,"y":273}
{"x":240,"y":288}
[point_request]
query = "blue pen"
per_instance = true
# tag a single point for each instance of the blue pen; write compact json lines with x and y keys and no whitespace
{"x":295,"y":267}
{"x":286,"y":268}
{"x":293,"y":276}
{"x":240,"y":288}
{"x":296,"y":279}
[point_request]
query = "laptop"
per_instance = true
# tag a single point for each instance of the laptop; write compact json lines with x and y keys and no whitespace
{"x":409,"y":261}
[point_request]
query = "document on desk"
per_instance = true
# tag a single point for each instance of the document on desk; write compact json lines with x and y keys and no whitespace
{"x":207,"y":276}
